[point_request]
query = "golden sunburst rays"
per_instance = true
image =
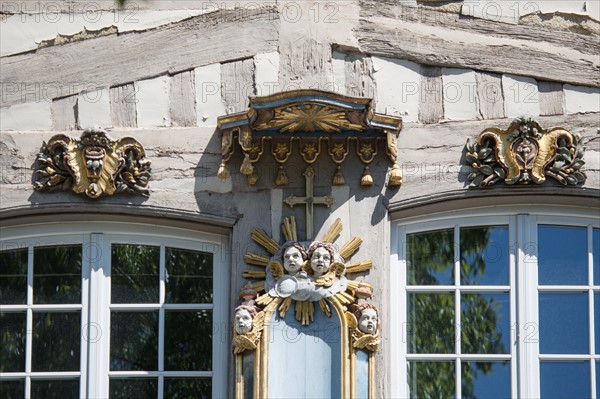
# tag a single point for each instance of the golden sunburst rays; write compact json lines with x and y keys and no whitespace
{"x":310,"y":118}
{"x":289,"y":229}
{"x":304,"y":310}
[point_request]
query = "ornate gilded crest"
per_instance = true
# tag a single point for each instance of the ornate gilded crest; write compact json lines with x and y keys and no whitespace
{"x":525,"y":153}
{"x":94,"y":164}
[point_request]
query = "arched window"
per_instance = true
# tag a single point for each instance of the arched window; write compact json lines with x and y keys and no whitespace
{"x":112,"y":310}
{"x":497,"y":304}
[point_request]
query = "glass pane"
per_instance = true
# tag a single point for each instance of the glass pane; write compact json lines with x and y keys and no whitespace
{"x":596,"y":249}
{"x":188,"y":340}
{"x":562,"y":255}
{"x":134,"y":341}
{"x":564,"y":323}
{"x":133,"y":388}
{"x":597,"y":323}
{"x":12,"y":389}
{"x":12,"y":343}
{"x":485,"y":323}
{"x":57,"y":274}
{"x":56,"y":341}
{"x":565,"y":380}
{"x":134,"y":273}
{"x":431,"y":326}
{"x":13,"y":277}
{"x":430,"y":258}
{"x":485,"y":380}
{"x":52,"y":389}
{"x":431,"y":380}
{"x":188,"y":276}
{"x":484,"y":255}
{"x":188,"y":388}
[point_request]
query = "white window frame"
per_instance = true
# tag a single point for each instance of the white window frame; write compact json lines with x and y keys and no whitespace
{"x":95,"y":301}
{"x":523,"y":224}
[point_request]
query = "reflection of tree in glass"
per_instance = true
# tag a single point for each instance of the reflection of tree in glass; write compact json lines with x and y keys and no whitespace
{"x":188,"y":276}
{"x":57,"y":274}
{"x":430,"y":257}
{"x":134,"y":273}
{"x":12,"y":343}
{"x":134,"y":341}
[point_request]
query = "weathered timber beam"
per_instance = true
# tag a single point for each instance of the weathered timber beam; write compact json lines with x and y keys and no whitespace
{"x":114,"y":60}
{"x":388,"y":34}
{"x":587,"y":44}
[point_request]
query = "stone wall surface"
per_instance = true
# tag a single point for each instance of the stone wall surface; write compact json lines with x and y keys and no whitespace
{"x":165,"y":78}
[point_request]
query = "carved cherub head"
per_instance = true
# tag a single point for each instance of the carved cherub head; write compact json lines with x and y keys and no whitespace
{"x":293,"y":257}
{"x":243,"y":318}
{"x":367,"y":317}
{"x":321,"y":254}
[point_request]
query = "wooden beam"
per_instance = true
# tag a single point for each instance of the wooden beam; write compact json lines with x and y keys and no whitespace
{"x":115,"y":60}
{"x":433,"y":38}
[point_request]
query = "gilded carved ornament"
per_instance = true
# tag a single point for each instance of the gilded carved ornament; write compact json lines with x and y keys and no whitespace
{"x":94,"y":164}
{"x":312,"y":121}
{"x":524,"y":154}
{"x":302,"y":275}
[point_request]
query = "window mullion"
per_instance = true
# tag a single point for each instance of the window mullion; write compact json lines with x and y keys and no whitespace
{"x":514,"y":314}
{"x":529,"y":372}
{"x":592,"y":311}
{"x":161,"y":322}
{"x":29,"y":327}
{"x":457,"y":313}
{"x":98,"y":327}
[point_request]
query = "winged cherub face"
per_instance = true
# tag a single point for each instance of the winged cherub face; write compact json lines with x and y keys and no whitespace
{"x":292,"y":260}
{"x":243,"y":321}
{"x":320,"y":261}
{"x":368,"y":321}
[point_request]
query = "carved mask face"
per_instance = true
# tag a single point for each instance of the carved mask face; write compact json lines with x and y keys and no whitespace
{"x":292,"y":260}
{"x":243,"y":321}
{"x":94,"y":147}
{"x":320,"y":261}
{"x":368,"y":321}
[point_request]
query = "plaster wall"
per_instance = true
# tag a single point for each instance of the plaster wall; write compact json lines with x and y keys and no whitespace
{"x":169,"y":100}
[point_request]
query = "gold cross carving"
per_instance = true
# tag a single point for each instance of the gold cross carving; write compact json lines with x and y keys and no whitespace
{"x":309,"y":200}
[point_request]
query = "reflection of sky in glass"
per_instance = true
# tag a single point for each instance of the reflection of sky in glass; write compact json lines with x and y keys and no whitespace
{"x":493,"y":254}
{"x":597,"y":324}
{"x":564,"y":323}
{"x":430,"y":258}
{"x":479,"y":335}
{"x":565,"y":380}
{"x":598,"y":379}
{"x":490,"y":380}
{"x":562,"y":255}
{"x":596,"y":256}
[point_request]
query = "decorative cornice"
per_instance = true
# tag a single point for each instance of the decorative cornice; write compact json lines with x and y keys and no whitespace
{"x":525,"y":153}
{"x":94,"y":164}
{"x":314,"y":119}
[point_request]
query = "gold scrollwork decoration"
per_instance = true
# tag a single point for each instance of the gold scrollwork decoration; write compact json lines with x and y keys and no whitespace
{"x":525,"y":153}
{"x":94,"y":164}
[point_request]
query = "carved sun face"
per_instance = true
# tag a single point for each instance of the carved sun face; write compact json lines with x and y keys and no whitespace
{"x":368,"y":321}
{"x":292,"y":260}
{"x":243,"y":321}
{"x":320,"y":261}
